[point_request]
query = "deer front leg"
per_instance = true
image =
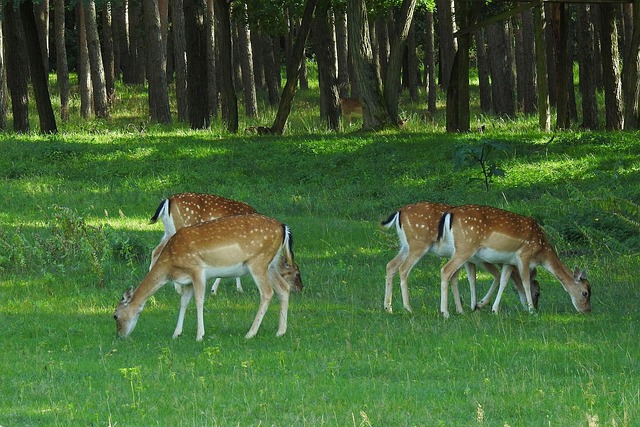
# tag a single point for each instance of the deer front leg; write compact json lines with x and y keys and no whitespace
{"x":504,"y":278}
{"x":199,"y":284}
{"x":446,"y":274}
{"x":282,"y":289}
{"x":471,"y":277}
{"x":266,"y":293}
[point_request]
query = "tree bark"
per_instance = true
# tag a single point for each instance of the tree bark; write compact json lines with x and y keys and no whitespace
{"x":246,"y":61}
{"x":17,"y":68}
{"x":448,"y":45}
{"x":560,"y":23}
{"x":39,"y":79}
{"x":394,"y":68}
{"x":156,"y":64}
{"x":528,"y":69}
{"x":502,"y":84}
{"x":324,"y":47}
{"x":84,"y":69}
{"x":611,"y":68}
{"x":293,"y":69}
{"x":586,"y":72}
{"x":4,"y":92}
{"x":228,"y":95}
{"x":630,"y":78}
{"x":213,"y":92}
{"x":62,"y":68}
{"x":374,"y":112}
{"x":483,"y":72}
{"x":544,"y":112}
{"x":180,"y":59}
{"x":41,"y":14}
{"x":108,"y":52}
{"x":342,"y":53}
{"x":272,"y":69}
{"x":95,"y":58}
{"x":430,"y":65}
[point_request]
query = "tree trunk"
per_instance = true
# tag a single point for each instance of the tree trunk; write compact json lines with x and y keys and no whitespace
{"x":374,"y":112}
{"x":136,"y":60}
{"x":458,"y":113}
{"x":630,"y":80}
{"x":539,"y":24}
{"x":84,"y":69}
{"x":586,"y":72}
{"x":180,"y":59}
{"x":342,"y":53}
{"x":380,"y":44}
{"x":17,"y":68}
{"x":156,"y":64}
{"x":502,"y":84}
{"x":394,"y":68}
{"x":108,"y":53}
{"x":120,"y":38}
{"x":528,"y":70}
{"x":39,"y":79}
{"x":324,"y":47}
{"x":213,"y":92}
{"x":227,"y":91}
{"x":95,"y":58}
{"x":483,"y":72}
{"x":246,"y":60}
{"x":611,"y":68}
{"x":560,"y":23}
{"x":430,"y":65}
{"x":4,"y":92}
{"x":197,"y":82}
{"x":62,"y":69}
{"x":448,"y":45}
{"x":293,"y":69}
{"x":41,"y":13}
{"x":412,"y":64}
{"x":272,"y":69}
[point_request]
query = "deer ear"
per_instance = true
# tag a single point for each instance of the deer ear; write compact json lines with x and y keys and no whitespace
{"x":533,"y":274}
{"x":126,"y":297}
{"x":579,"y":275}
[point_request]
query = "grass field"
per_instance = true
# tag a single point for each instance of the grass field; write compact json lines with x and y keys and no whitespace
{"x":74,"y":236}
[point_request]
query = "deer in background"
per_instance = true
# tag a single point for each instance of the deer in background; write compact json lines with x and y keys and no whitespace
{"x":231,"y":246}
{"x":350,"y":107}
{"x":186,"y":209}
{"x":501,"y":237}
{"x":417,"y":228}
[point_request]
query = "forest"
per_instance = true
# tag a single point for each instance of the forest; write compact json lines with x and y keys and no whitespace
{"x":208,"y":60}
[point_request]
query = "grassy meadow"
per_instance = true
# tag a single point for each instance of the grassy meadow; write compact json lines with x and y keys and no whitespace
{"x":74,"y":234}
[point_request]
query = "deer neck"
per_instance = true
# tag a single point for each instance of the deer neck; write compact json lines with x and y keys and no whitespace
{"x":560,"y":271}
{"x":153,"y":281}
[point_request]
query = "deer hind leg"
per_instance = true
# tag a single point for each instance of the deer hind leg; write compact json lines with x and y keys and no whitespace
{"x":266,"y":293}
{"x":448,"y":273}
{"x":504,"y":278}
{"x":392,"y":269}
{"x":216,"y":284}
{"x":199,"y":283}
{"x":405,"y":268}
{"x":239,"y":285}
{"x":495,"y":272}
{"x":471,"y":277}
{"x":185,"y":298}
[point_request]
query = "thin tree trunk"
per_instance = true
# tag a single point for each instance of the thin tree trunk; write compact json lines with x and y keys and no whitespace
{"x":342,"y":53}
{"x":246,"y":60}
{"x":108,"y":52}
{"x":180,"y":59}
{"x":120,"y":38}
{"x":39,"y":79}
{"x":544,"y":113}
{"x":41,"y":13}
{"x":448,"y":45}
{"x":213,"y":91}
{"x":324,"y":47}
{"x":630,"y":78}
{"x":84,"y":69}
{"x":95,"y":58}
{"x":560,"y":23}
{"x":392,"y":86}
{"x":293,"y":69}
{"x":413,"y":67}
{"x":156,"y":64}
{"x":430,"y":65}
{"x":17,"y":68}
{"x":62,"y":69}
{"x":529,"y":69}
{"x":500,"y":60}
{"x":611,"y":68}
{"x":272,"y":69}
{"x":586,"y":72}
{"x":4,"y":92}
{"x":483,"y":72}
{"x":197,"y":82}
{"x":228,"y":95}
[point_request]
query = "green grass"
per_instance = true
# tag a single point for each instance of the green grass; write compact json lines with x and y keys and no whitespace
{"x":74,"y":236}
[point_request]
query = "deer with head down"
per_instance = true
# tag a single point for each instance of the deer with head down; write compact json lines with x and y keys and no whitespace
{"x":186,"y":209}
{"x":417,"y":228}
{"x":501,"y":237}
{"x":231,"y":246}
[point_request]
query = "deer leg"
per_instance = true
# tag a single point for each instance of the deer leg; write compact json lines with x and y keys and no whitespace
{"x":185,"y":298}
{"x":266,"y":293}
{"x":456,"y":292}
{"x":239,"y":285}
{"x":216,"y":284}
{"x":446,"y":274}
{"x":471,"y":277}
{"x":496,"y":282}
{"x":199,"y":284}
{"x":392,"y":269}
{"x":282,"y":289}
{"x":504,"y":278}
{"x":405,"y":268}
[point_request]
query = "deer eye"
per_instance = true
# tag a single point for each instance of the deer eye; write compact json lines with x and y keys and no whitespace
{"x":115,"y":317}
{"x":585,"y":294}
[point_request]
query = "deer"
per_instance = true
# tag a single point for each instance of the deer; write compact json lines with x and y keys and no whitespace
{"x":185,"y":209}
{"x":350,"y":107}
{"x":230,"y":246}
{"x":501,"y":237}
{"x":417,"y":228}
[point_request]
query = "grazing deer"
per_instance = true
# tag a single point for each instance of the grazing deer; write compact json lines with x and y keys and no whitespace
{"x":417,"y":228}
{"x":185,"y":209}
{"x":231,"y":246}
{"x":501,"y":237}
{"x":350,"y":107}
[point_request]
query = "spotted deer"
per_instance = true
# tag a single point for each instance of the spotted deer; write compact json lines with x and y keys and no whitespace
{"x":350,"y":107}
{"x":185,"y":209}
{"x":500,"y":237}
{"x":231,"y":246}
{"x":417,"y":228}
